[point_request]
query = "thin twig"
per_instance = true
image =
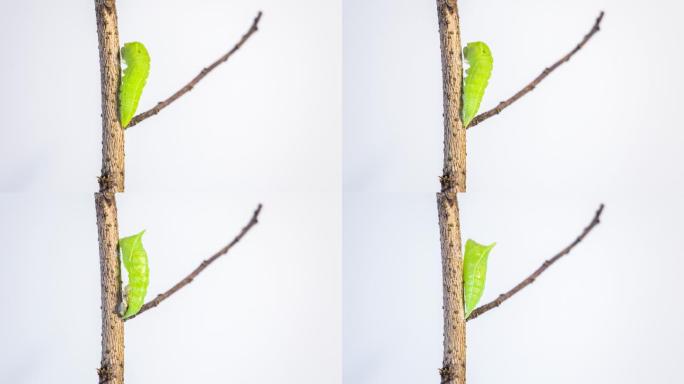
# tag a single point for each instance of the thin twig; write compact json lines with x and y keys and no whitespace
{"x":529,"y":87}
{"x":189,"y":278}
{"x":530,"y":279}
{"x":189,"y":86}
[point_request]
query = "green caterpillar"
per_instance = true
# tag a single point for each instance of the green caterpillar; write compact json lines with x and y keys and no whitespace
{"x":133,"y":80}
{"x":135,"y":260}
{"x":474,"y":273}
{"x":480,"y":62}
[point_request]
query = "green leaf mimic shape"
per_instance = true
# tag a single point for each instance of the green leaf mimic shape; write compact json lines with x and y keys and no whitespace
{"x":133,"y":81}
{"x":135,"y":260}
{"x":474,"y":273}
{"x":480,"y":62}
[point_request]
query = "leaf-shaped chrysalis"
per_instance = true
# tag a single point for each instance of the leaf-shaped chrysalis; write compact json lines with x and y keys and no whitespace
{"x":135,"y":261}
{"x":474,"y":273}
{"x":480,"y":64}
{"x":133,"y":80}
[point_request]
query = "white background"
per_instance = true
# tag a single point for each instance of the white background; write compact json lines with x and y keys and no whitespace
{"x":605,"y":127}
{"x":264,"y":127}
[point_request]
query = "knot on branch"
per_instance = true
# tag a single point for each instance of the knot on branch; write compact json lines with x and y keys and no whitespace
{"x":106,"y":182}
{"x":104,"y":373}
{"x":447,"y":181}
{"x":446,"y":374}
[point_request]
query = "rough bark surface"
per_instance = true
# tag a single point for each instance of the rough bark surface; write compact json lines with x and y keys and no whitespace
{"x":112,"y":363}
{"x":112,"y":177}
{"x":453,"y":181}
{"x":454,"y":360}
{"x":454,"y":172}
{"x":111,"y":181}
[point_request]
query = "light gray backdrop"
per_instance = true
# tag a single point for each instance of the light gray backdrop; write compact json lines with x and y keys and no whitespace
{"x":604,"y":128}
{"x":264,"y":127}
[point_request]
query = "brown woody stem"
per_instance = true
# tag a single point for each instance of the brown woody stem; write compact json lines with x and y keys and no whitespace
{"x":453,"y":181}
{"x":111,"y":181}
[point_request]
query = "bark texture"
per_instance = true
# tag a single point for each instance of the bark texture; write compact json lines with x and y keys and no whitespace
{"x":453,"y":181}
{"x":111,"y":181}
{"x":112,"y":363}
{"x":112,"y":175}
{"x":454,"y":172}
{"x":454,"y":360}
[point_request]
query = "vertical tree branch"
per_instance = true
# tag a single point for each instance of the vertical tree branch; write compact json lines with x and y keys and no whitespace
{"x":111,"y":181}
{"x":454,"y":359}
{"x":112,"y":363}
{"x":453,"y":180}
{"x":112,"y":177}
{"x":454,"y":172}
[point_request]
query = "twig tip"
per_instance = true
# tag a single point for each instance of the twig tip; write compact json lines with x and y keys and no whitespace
{"x":599,"y":19}
{"x":257,"y":211}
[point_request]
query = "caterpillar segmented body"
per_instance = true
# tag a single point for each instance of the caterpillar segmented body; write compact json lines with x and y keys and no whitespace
{"x":480,"y":63}
{"x":135,"y":261}
{"x":133,"y":80}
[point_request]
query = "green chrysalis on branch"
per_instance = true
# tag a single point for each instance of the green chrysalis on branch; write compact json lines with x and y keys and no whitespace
{"x":135,"y":261}
{"x":133,"y":80}
{"x":480,"y":64}
{"x":474,"y":273}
